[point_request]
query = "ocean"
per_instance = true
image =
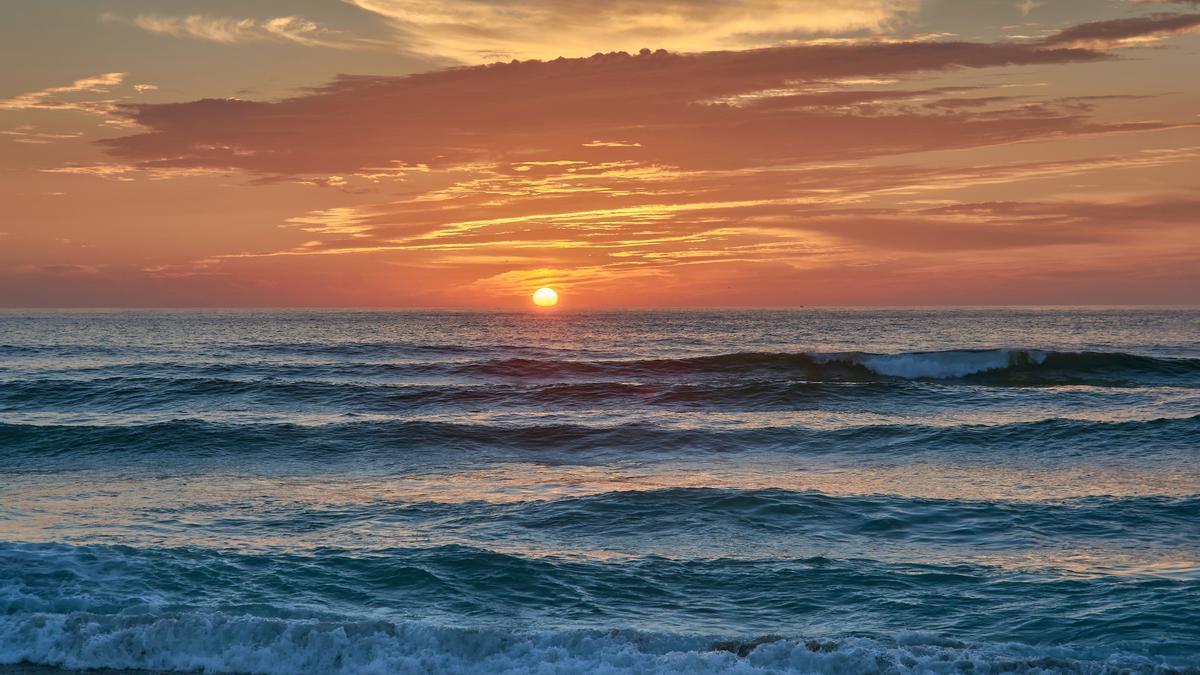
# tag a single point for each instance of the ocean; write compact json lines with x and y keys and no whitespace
{"x":805,"y":491}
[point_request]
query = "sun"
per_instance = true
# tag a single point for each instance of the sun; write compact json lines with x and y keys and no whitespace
{"x":545,"y":297}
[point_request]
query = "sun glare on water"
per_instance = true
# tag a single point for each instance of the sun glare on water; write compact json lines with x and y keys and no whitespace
{"x":545,"y":297}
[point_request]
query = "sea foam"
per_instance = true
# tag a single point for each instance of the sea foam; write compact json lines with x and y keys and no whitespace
{"x":224,"y":643}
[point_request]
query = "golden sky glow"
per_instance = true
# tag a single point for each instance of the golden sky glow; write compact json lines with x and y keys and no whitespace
{"x":685,"y":153}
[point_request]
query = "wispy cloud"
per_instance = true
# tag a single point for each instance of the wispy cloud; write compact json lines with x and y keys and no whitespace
{"x":30,"y":135}
{"x":59,"y":98}
{"x":226,"y":30}
{"x":788,"y":221}
{"x":1125,"y":32}
{"x":489,"y":30}
{"x":128,"y":173}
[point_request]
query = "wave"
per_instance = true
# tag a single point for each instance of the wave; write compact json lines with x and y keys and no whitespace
{"x":698,"y":522}
{"x":989,"y":367}
{"x":943,"y":365}
{"x":228,"y":643}
{"x":64,"y":593}
{"x":622,"y":516}
{"x":1022,"y":365}
{"x":403,"y":350}
{"x":120,"y":394}
{"x":394,"y":439}
{"x":994,"y":366}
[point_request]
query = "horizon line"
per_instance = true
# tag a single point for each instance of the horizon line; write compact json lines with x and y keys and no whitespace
{"x":559,"y":309}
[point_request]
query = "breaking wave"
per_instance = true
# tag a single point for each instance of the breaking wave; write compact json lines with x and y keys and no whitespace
{"x":226,"y":643}
{"x":1023,"y":365}
{"x":989,"y":366}
{"x":192,"y":609}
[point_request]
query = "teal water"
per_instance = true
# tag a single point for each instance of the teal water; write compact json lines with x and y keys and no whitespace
{"x":809,"y":491}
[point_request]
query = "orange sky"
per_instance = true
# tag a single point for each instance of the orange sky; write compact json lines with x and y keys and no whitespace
{"x":395,"y":153}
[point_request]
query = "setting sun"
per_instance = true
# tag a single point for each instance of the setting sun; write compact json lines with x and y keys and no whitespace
{"x":545,"y":297}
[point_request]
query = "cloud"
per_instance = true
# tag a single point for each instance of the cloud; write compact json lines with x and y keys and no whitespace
{"x":611,"y":144}
{"x":30,"y":135}
{"x":711,"y":110}
{"x":759,"y":170}
{"x":118,"y":172}
{"x":606,"y":221}
{"x":1124,"y":32}
{"x":57,"y":98}
{"x":226,"y":30}
{"x":714,"y":254}
{"x":488,"y":30}
{"x":126,"y":173}
{"x":1007,"y":225}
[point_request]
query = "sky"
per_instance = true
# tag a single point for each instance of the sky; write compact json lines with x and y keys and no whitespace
{"x":682,"y":153}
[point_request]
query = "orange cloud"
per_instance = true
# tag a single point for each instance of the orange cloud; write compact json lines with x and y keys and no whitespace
{"x":550,"y":111}
{"x":1125,"y":32}
{"x":60,"y":98}
{"x":489,"y":30}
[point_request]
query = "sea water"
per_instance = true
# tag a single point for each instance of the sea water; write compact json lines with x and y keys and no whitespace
{"x":811,"y":491}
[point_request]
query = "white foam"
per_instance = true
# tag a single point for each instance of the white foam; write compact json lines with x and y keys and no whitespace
{"x":220,"y":643}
